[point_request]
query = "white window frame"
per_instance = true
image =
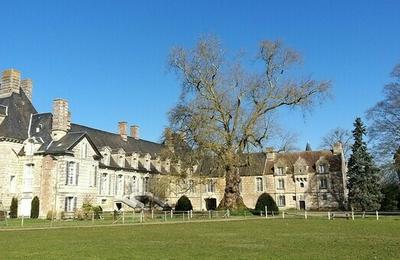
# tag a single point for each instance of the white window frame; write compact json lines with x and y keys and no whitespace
{"x":322,"y":168}
{"x":104,"y":184}
{"x":84,"y":150}
{"x":70,"y":203}
{"x":281,"y":184}
{"x":119,"y":187}
{"x":71,"y":173}
{"x":281,"y":200}
{"x":210,"y":186}
{"x":28,"y":177}
{"x":280,"y":171}
{"x":259,"y":184}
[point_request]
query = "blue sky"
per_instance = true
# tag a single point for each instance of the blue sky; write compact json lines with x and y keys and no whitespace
{"x":108,"y":58}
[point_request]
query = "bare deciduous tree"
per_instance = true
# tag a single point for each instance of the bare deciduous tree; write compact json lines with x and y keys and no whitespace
{"x":338,"y":135}
{"x":224,"y":110}
{"x":385,"y":122}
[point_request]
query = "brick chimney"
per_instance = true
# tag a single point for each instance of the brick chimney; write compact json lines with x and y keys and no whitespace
{"x":26,"y":86}
{"x":61,"y":119}
{"x":10,"y":82}
{"x":135,"y":131}
{"x":122,"y":130}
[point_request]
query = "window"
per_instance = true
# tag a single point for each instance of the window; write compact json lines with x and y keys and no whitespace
{"x":192,"y":187}
{"x":95,"y":176}
{"x":70,"y":204}
{"x":72,"y":173}
{"x":28,"y":177}
{"x":84,"y":152}
{"x":323,"y":183}
{"x":302,"y":184}
{"x":134,"y":187}
{"x":119,"y":185}
{"x":324,"y":196}
{"x":146,"y":184}
{"x":13,"y":184}
{"x":134,"y":161}
{"x":322,"y":168}
{"x":281,"y":201}
{"x":281,"y":184}
{"x":121,"y":161}
{"x":259,"y":184}
{"x":210,"y":186}
{"x":104,"y":184}
{"x":279,"y":171}
{"x":294,"y":197}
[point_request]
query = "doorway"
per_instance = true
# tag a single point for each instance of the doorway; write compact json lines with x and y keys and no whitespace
{"x":302,"y":204}
{"x":211,"y":204}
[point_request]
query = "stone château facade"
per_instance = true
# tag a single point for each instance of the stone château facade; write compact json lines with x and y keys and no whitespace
{"x":67,"y":164}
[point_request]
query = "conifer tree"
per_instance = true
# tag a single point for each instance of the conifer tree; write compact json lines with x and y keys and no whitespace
{"x":363,"y":176}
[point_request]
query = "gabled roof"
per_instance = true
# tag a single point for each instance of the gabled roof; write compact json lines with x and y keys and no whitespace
{"x":310,"y":157}
{"x":114,"y":141}
{"x":19,"y":110}
{"x":68,"y":142}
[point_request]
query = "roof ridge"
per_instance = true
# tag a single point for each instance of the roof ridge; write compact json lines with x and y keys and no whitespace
{"x":100,"y":130}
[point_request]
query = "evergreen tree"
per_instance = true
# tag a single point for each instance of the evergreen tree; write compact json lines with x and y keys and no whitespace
{"x":14,"y":208}
{"x":35,"y":207}
{"x":363,"y":176}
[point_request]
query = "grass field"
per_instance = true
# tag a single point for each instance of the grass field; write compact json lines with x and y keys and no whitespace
{"x":243,"y":239}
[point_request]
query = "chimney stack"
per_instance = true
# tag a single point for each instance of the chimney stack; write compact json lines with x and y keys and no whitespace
{"x":338,"y":148}
{"x":10,"y":82}
{"x":26,"y":86}
{"x":122,"y":130}
{"x":61,"y":119}
{"x":135,"y":131}
{"x":271,"y":154}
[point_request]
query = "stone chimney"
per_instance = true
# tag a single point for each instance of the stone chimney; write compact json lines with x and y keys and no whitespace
{"x":26,"y":86}
{"x":271,"y":154}
{"x":61,"y":119}
{"x":338,"y":148}
{"x":135,"y":131}
{"x":122,"y":130}
{"x":10,"y":82}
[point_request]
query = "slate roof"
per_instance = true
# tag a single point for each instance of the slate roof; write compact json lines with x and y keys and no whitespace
{"x":16,"y":123}
{"x":310,"y":157}
{"x":102,"y":138}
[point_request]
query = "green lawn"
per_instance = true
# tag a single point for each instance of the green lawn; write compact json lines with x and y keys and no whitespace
{"x":244,"y":239}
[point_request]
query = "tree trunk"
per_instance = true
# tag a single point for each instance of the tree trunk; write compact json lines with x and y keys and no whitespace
{"x":232,"y":199}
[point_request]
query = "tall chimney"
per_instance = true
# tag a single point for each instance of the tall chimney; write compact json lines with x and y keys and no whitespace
{"x":26,"y":86}
{"x":122,"y":130}
{"x":10,"y":82}
{"x":61,"y":119}
{"x":135,"y":131}
{"x":271,"y":154}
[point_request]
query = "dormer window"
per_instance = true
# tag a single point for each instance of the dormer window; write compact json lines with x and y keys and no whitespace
{"x":106,"y":159}
{"x":147,"y":162}
{"x":121,"y":161}
{"x":322,"y":168}
{"x":134,"y":160}
{"x":279,"y":171}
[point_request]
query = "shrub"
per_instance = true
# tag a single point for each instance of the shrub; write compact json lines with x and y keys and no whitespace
{"x":35,"y":207}
{"x":50,"y":215}
{"x":98,"y":211}
{"x":265,"y":200}
{"x":87,"y":209}
{"x":14,"y":208}
{"x":79,"y":214}
{"x":183,"y":204}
